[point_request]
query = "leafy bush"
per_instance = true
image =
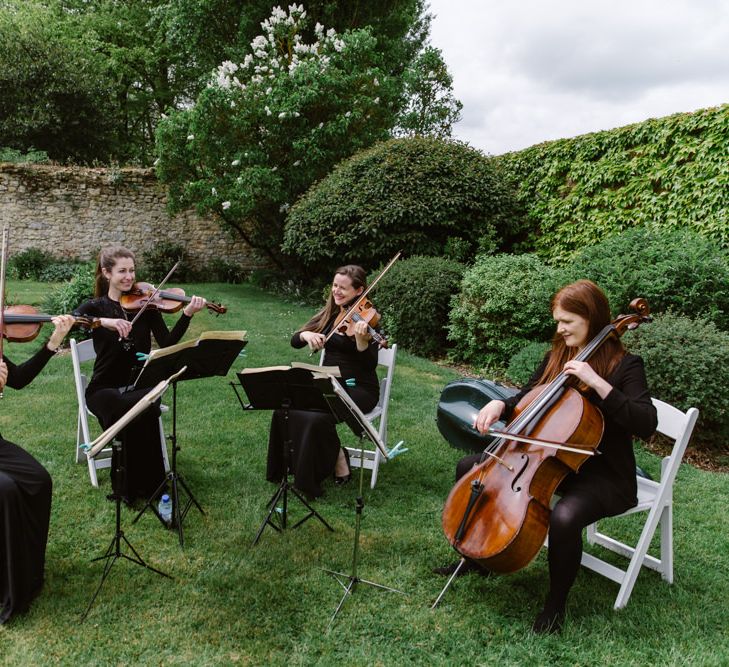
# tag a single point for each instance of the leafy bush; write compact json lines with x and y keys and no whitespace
{"x":158,"y":260}
{"x":57,"y":272}
{"x":525,"y":362}
{"x":503,"y":305}
{"x":72,"y":294}
{"x":673,"y":269}
{"x":687,"y":365}
{"x":661,"y":173}
{"x":414,"y":300}
{"x":30,"y":157}
{"x":28,"y":264}
{"x":419,"y":194}
{"x":224,"y":271}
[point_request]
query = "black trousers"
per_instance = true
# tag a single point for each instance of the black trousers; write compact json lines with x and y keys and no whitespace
{"x":25,"y":511}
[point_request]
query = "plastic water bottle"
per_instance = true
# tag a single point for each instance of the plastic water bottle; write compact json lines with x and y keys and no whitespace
{"x":165,"y":508}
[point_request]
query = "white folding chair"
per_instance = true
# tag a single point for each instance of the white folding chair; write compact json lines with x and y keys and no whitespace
{"x":371,"y":458}
{"x":655,"y":498}
{"x":80,"y":353}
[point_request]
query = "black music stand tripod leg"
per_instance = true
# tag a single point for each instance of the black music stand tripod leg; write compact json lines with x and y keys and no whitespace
{"x":114,"y":551}
{"x":173,"y":478}
{"x":283,"y":490}
{"x":353,"y":579}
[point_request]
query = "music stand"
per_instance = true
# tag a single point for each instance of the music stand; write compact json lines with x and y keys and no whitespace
{"x":285,"y":389}
{"x":204,"y":357}
{"x":343,"y":405}
{"x":114,"y":551}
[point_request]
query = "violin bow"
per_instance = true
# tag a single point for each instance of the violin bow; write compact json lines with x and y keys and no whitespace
{"x":364,"y":294}
{"x":157,"y":290}
{"x":3,"y":264}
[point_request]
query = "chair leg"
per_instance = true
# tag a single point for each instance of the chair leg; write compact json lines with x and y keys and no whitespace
{"x":667,"y":543}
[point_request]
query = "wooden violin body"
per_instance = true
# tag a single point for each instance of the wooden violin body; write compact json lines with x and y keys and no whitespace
{"x":364,"y":311}
{"x":22,"y":323}
{"x":170,"y":300}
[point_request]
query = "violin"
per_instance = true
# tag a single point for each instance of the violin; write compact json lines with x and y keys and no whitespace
{"x":21,"y":324}
{"x":363,"y":312}
{"x":166,"y":301}
{"x":497,"y":514}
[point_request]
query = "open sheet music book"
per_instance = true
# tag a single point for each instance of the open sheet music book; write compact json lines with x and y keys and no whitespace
{"x":211,"y":353}
{"x":316,"y":370}
{"x":205,"y":335}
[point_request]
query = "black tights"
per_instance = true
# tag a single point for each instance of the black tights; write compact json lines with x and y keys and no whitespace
{"x":569,"y":516}
{"x":573,"y":512}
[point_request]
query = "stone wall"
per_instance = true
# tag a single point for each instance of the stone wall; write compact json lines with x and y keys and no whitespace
{"x":71,"y":212}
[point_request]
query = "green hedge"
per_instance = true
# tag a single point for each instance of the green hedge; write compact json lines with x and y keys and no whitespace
{"x":663,"y":173}
{"x":414,"y":298}
{"x":503,"y":305}
{"x":422,"y":195}
{"x":687,"y":365}
{"x":675,"y":270}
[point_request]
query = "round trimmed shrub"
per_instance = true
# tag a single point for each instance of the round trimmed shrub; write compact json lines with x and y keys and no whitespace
{"x":502,"y":307}
{"x":525,"y":362}
{"x":30,"y":263}
{"x":414,"y":298}
{"x":687,"y":365}
{"x":419,"y":194}
{"x":673,"y":269}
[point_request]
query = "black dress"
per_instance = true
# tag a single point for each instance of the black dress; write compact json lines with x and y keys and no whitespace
{"x":314,"y":441}
{"x":25,"y":509}
{"x":115,"y":368}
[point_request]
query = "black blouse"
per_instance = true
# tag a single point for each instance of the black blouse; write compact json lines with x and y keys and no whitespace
{"x":342,"y":351}
{"x":23,"y":374}
{"x":115,"y":360}
{"x":628,"y":412}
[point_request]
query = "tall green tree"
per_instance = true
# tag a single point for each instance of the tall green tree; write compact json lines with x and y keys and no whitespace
{"x":55,"y":87}
{"x":266,"y":128}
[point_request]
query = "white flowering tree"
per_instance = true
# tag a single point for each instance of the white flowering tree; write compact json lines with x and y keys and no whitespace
{"x":265,"y":129}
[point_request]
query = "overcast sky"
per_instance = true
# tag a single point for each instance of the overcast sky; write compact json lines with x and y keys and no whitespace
{"x":529,"y":71}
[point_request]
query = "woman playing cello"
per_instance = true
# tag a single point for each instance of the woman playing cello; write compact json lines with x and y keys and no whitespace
{"x":25,"y":494}
{"x":116,"y":343}
{"x":317,"y":452}
{"x":605,"y":485}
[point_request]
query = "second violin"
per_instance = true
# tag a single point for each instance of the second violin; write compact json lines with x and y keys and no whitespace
{"x":168,"y":300}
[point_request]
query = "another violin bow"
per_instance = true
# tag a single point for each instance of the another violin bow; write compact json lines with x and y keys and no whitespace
{"x":3,"y":264}
{"x":157,"y":290}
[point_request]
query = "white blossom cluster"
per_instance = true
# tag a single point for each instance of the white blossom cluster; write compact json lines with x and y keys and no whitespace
{"x":279,"y":49}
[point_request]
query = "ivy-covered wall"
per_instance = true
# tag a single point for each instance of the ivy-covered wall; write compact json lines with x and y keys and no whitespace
{"x":668,"y":172}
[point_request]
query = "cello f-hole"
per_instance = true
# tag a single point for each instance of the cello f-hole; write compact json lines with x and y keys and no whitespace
{"x":515,"y":486}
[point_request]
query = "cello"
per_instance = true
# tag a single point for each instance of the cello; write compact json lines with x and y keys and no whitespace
{"x":497,"y":514}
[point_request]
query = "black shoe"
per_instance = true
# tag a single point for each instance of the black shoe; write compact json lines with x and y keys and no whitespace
{"x":339,"y":481}
{"x":548,"y":622}
{"x":467,"y":568}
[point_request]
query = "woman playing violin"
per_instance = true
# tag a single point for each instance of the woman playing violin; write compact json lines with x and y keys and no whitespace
{"x":25,"y":494}
{"x":317,"y":452}
{"x":605,"y":485}
{"x":117,"y":343}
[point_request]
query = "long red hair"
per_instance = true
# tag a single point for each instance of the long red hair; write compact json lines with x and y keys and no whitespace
{"x":586,"y":299}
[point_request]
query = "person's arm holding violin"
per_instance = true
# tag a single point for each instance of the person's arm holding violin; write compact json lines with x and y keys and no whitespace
{"x":18,"y":376}
{"x":166,"y":337}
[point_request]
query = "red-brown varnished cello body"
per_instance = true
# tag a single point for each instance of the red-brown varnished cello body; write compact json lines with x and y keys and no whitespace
{"x":497,"y":514}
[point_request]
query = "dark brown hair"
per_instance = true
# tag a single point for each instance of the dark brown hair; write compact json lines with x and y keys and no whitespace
{"x":358,"y":276}
{"x":108,"y":257}
{"x":586,"y":299}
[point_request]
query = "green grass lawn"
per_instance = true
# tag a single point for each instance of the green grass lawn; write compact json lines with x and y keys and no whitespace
{"x":231,"y":603}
